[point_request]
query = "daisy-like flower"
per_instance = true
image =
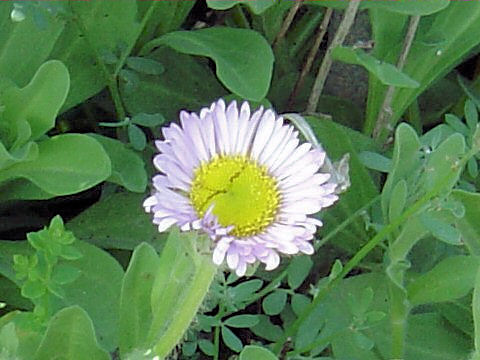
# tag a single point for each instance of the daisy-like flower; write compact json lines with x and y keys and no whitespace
{"x":244,"y":180}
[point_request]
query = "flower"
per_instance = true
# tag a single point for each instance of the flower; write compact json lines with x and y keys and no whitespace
{"x":244,"y":180}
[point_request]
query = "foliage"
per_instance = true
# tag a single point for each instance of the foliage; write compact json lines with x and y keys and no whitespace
{"x":84,"y":90}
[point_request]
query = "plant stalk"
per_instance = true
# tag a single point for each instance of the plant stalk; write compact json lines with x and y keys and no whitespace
{"x":338,"y":40}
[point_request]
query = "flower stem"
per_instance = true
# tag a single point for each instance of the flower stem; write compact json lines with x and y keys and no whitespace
{"x":189,"y":304}
{"x":322,"y":30}
{"x":338,"y":40}
{"x":287,"y":22}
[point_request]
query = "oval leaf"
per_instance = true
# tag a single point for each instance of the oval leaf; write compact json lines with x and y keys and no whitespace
{"x":243,"y":58}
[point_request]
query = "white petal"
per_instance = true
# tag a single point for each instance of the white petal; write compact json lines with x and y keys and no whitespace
{"x":232,"y":259}
{"x":272,"y":261}
{"x":232,"y":119}
{"x":251,"y":130}
{"x":220,"y":251}
{"x":263,"y":134}
{"x":166,"y":223}
{"x":241,"y":269}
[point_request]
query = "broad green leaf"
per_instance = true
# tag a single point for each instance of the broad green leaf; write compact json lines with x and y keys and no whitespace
{"x":242,"y":321}
{"x":27,"y":152}
{"x":70,"y":334}
{"x":469,"y":224}
{"x":128,"y":169}
{"x":119,"y":222}
{"x":405,"y":161}
{"x":337,"y":141}
{"x":458,"y":314}
{"x":387,"y":73}
{"x":266,"y":330}
{"x":257,"y":6}
{"x":66,"y":164}
{"x":24,"y":40}
{"x":135,"y":308}
{"x":65,"y":274}
{"x":244,"y":290}
{"x":144,"y":65}
{"x":76,"y":47}
{"x":398,"y":200}
{"x":199,"y":86}
{"x":254,"y":352}
{"x":450,"y":279}
{"x":243,"y":58}
{"x":8,"y":341}
{"x":441,"y":229}
{"x":298,"y":270}
{"x":442,"y":41}
{"x":406,"y":7}
{"x":274,"y":303}
{"x":37,"y":103}
{"x":444,"y":161}
{"x":137,"y":137}
{"x":148,"y":120}
{"x":231,"y":340}
{"x":375,"y":161}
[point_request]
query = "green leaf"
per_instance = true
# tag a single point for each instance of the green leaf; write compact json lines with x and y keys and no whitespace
{"x":274,"y":303}
{"x":78,"y":45}
{"x":38,"y":103}
{"x":119,"y":222}
{"x":23,"y":40}
{"x":207,"y":347}
{"x":148,"y":120}
{"x":65,"y":274}
{"x":337,"y":141}
{"x":299,"y":303}
{"x":441,"y":229}
{"x":231,"y":340}
{"x":257,"y":6}
{"x":71,"y":334}
{"x":363,"y":341}
{"x":66,"y":164}
{"x":359,"y":304}
{"x":254,"y":352}
{"x":137,"y":137}
{"x":375,"y":161}
{"x":455,"y":33}
{"x":242,"y":321}
{"x":406,"y":7}
{"x":243,"y":58}
{"x":33,"y":289}
{"x":450,"y":279}
{"x":135,"y":309}
{"x":297,"y":270}
{"x":199,"y":86}
{"x":406,"y":160}
{"x":469,"y":224}
{"x":145,"y":65}
{"x":96,"y":290}
{"x":442,"y":161}
{"x":387,"y":73}
{"x":266,"y":330}
{"x":183,"y":278}
{"x":8,"y":341}
{"x":128,"y":169}
{"x":398,"y":200}
{"x":245,"y":290}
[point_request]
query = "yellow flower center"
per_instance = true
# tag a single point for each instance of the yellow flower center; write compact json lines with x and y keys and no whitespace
{"x":243,"y":193}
